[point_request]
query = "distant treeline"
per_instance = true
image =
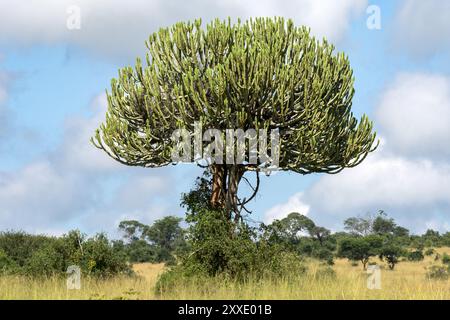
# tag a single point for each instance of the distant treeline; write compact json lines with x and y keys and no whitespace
{"x":166,"y":241}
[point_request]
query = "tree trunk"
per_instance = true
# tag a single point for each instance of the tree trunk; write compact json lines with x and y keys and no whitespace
{"x":225,"y":184}
{"x":218,"y":186}
{"x":364,"y":262}
{"x":231,"y":201}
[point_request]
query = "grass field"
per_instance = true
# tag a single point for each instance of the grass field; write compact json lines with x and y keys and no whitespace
{"x":407,"y":281}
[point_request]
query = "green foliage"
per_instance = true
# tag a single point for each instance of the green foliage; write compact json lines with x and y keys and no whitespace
{"x":382,"y":225}
{"x":360,"y":248}
{"x":7,"y":265}
{"x":287,"y":231}
{"x":429,"y":252}
{"x":391,"y":253}
{"x":44,"y":256}
{"x":325,"y":272}
{"x":159,"y":242}
{"x":20,"y":246}
{"x":324,"y":254}
{"x":431,"y":238}
{"x":446,"y":259}
{"x":216,"y":249}
{"x":166,"y":233}
{"x":218,"y":76}
{"x":415,"y":256}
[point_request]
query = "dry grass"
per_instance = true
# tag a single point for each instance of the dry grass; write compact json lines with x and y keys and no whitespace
{"x":407,"y":281}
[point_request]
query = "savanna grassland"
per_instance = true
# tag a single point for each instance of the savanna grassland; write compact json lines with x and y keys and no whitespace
{"x":407,"y":281}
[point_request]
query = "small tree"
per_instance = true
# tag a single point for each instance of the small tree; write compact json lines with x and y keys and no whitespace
{"x":360,"y":248}
{"x":391,"y":254}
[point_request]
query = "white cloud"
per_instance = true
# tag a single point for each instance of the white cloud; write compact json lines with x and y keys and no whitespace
{"x":4,"y":80}
{"x":408,"y":176}
{"x":78,"y":186}
{"x":5,"y":114}
{"x":414,"y":115}
{"x":118,"y":27}
{"x":293,"y":204}
{"x":382,"y":181}
{"x":422,"y":27}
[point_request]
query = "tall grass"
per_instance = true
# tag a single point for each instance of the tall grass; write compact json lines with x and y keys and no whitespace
{"x":407,"y":281}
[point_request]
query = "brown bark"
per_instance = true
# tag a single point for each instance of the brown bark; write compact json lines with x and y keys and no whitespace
{"x":217,"y":195}
{"x":231,"y":201}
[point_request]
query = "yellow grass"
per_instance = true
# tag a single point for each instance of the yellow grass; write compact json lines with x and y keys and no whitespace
{"x":407,"y":281}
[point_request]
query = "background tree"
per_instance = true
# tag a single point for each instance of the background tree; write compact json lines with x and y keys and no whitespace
{"x":167,"y":234}
{"x":319,"y":233}
{"x":158,"y":242}
{"x":361,"y":226}
{"x":391,"y":254}
{"x":289,"y":229}
{"x":133,"y":230}
{"x":360,"y":248}
{"x":263,"y":73}
{"x":383,"y":225}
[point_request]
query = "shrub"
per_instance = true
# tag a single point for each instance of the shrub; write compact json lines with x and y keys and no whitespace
{"x":446,"y":259}
{"x":44,"y":262}
{"x":44,"y":256}
{"x":324,"y":254}
{"x":438,"y":272}
{"x":7,"y":265}
{"x":415,"y":256}
{"x":325,"y":272}
{"x":20,"y":246}
{"x":429,"y":252}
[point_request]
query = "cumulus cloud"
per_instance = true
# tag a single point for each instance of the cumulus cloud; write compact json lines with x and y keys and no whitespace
{"x":280,"y":211}
{"x":78,"y":186}
{"x":408,"y":176}
{"x":117,"y":27}
{"x":422,"y":28}
{"x":414,"y":115}
{"x":5,"y":114}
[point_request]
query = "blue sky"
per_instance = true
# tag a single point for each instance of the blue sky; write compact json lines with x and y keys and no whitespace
{"x":53,"y":79}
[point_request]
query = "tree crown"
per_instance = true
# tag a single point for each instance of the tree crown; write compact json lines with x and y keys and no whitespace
{"x":264,"y":73}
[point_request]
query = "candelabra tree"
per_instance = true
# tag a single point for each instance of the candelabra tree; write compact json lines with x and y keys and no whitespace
{"x":265,"y":73}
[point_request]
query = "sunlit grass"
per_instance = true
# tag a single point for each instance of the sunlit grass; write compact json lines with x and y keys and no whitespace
{"x":407,"y":281}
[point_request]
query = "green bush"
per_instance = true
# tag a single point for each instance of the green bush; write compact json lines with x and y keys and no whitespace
{"x":325,"y":272}
{"x":324,"y":254}
{"x":7,"y":265}
{"x":446,"y":259}
{"x":44,"y":262}
{"x":20,"y":246}
{"x":45,"y":256}
{"x":429,"y":252}
{"x":415,"y":256}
